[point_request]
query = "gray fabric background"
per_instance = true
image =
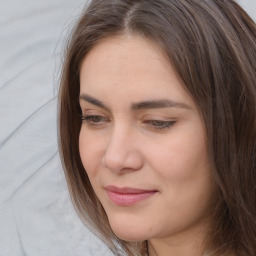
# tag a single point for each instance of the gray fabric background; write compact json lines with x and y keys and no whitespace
{"x":36,"y":216}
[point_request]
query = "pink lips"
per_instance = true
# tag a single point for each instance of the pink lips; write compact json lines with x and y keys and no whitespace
{"x":127,"y":196}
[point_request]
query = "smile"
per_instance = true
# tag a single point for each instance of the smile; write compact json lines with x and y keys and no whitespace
{"x":128,"y":196}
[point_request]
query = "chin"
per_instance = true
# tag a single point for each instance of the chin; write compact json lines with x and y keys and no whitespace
{"x":129,"y":231}
{"x":131,"y":236}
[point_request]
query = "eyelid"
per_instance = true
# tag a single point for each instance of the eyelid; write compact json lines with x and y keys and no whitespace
{"x":94,"y":118}
{"x":158,"y":123}
{"x":90,"y":111}
{"x":95,"y":121}
{"x":155,"y":117}
{"x":88,"y":117}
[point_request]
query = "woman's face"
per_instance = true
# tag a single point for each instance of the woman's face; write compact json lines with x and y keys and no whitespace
{"x":142,"y":141}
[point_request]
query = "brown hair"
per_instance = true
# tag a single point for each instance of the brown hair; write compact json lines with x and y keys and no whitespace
{"x":212,"y":46}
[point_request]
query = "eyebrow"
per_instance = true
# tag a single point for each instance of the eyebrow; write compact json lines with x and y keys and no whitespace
{"x":93,"y":101}
{"x":162,"y":103}
{"x":149,"y":104}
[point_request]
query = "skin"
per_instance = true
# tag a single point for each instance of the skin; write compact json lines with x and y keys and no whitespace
{"x":151,"y":148}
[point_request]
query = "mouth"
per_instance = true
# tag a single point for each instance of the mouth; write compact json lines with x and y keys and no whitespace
{"x":128,"y":196}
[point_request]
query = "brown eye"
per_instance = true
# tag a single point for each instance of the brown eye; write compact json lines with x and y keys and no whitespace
{"x":94,"y":119}
{"x":159,"y":124}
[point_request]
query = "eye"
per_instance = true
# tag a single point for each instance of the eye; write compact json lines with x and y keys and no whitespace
{"x":159,"y":124}
{"x":94,"y":120}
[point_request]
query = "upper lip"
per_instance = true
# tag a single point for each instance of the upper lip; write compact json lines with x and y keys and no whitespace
{"x":128,"y":190}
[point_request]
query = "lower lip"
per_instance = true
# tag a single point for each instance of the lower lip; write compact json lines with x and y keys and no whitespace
{"x":129,"y":198}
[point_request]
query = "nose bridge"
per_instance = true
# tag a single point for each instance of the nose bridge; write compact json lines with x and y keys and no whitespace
{"x":122,"y":150}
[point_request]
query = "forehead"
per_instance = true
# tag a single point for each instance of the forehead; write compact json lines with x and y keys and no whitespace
{"x":124,"y":53}
{"x":129,"y":66}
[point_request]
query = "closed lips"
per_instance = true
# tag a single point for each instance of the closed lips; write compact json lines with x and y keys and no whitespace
{"x":128,"y":196}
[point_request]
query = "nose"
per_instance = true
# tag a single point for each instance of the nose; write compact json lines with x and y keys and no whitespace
{"x":122,"y":153}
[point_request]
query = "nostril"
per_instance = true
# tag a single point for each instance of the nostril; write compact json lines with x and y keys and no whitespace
{"x":118,"y":162}
{"x":114,"y":160}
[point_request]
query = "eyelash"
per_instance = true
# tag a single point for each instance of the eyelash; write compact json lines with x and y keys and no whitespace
{"x":159,"y":124}
{"x":97,"y":120}
{"x":90,"y":119}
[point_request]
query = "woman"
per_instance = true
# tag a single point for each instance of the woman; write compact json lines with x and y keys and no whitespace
{"x":157,"y":126}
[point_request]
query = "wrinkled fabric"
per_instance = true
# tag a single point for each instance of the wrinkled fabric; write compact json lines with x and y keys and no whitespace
{"x":36,"y":215}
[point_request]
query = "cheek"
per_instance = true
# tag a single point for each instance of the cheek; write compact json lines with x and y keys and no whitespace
{"x":91,"y":151}
{"x":182,"y":157}
{"x":181,"y":162}
{"x":184,"y":174}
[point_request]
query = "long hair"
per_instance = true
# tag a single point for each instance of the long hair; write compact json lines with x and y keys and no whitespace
{"x":211,"y":44}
